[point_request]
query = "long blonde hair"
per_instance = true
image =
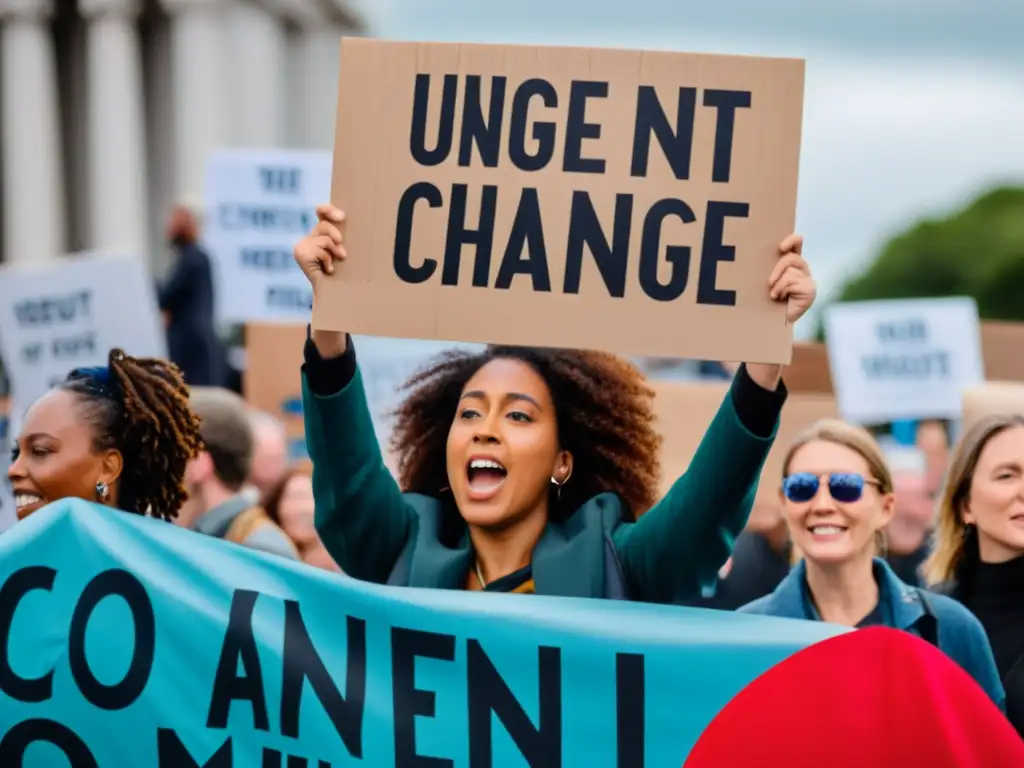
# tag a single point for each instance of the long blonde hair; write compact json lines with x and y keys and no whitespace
{"x":951,"y":551}
{"x":858,"y":440}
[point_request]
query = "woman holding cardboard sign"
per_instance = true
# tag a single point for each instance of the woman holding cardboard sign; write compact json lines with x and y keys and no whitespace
{"x":525,"y":470}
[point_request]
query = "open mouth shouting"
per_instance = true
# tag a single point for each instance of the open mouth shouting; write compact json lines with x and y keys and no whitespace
{"x":485,"y":477}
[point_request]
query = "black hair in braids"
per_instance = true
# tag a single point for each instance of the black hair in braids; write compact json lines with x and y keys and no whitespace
{"x":140,"y":407}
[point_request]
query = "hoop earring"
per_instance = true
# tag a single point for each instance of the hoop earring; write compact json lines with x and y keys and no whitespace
{"x":102,"y":490}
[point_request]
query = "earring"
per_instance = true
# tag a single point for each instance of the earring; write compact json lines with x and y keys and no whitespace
{"x":558,"y":488}
{"x":102,"y":490}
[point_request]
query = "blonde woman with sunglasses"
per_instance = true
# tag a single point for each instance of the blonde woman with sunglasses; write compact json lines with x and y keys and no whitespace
{"x":837,"y":498}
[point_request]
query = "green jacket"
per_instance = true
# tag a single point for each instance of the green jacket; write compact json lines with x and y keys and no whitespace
{"x":376,"y":533}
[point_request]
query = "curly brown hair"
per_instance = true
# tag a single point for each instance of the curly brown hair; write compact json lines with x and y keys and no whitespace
{"x":604,"y":416}
{"x":140,"y":407}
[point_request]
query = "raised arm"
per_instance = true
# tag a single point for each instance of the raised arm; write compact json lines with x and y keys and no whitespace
{"x":361,"y":515}
{"x":678,"y":546}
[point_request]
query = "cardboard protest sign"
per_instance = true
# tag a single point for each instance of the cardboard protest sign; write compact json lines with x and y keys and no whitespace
{"x":273,"y":384}
{"x":259,"y":203}
{"x":809,"y":370}
{"x":132,"y":642}
{"x":272,"y":380}
{"x":903,"y":359}
{"x":1002,"y":345}
{"x":991,"y":398}
{"x":59,"y":315}
{"x":685,"y":411}
{"x":619,"y":200}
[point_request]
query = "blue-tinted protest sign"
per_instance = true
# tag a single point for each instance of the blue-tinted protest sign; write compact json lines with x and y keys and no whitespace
{"x":130,"y":642}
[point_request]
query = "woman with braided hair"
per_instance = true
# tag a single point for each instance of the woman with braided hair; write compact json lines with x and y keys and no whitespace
{"x":119,"y":434}
{"x":530,"y":470}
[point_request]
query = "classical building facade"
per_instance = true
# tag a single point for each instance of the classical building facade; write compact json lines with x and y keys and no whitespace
{"x":108,"y":108}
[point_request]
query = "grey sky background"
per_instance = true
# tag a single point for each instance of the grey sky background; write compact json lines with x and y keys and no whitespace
{"x":911,"y":107}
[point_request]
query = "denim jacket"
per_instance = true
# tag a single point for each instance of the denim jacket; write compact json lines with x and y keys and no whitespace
{"x":937,"y":618}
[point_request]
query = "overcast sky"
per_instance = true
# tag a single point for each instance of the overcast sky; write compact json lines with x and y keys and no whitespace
{"x":911,"y":107}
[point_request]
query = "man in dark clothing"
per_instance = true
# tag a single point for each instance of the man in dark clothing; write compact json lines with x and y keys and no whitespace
{"x":186,"y":300}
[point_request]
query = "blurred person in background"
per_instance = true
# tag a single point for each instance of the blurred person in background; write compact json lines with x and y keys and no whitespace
{"x":837,"y":495}
{"x":978,"y":554}
{"x":120,"y":435}
{"x":269,"y":451}
{"x":933,"y":441}
{"x":908,"y":535}
{"x":186,"y":300}
{"x":218,"y":504}
{"x":289,"y":503}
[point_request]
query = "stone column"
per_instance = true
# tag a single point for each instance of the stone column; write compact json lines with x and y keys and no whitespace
{"x":257,"y":49}
{"x":321,"y":52}
{"x":116,"y":128}
{"x":33,"y":168}
{"x":200,"y":96}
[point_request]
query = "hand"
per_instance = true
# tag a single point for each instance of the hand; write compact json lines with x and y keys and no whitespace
{"x":791,"y":279}
{"x":316,"y":252}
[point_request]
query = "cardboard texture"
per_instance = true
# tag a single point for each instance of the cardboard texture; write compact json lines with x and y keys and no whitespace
{"x":272,"y":381}
{"x":272,"y":376}
{"x":685,"y":411}
{"x":991,"y":398}
{"x":1003,"y":349}
{"x":572,"y":175}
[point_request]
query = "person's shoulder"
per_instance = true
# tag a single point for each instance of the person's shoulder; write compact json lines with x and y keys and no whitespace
{"x":270,"y":537}
{"x":947,"y":609}
{"x":761,"y":606}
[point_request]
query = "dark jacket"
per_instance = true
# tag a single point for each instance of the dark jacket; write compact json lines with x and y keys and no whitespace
{"x":376,"y":533}
{"x":938,"y":619}
{"x":188,"y":296}
{"x":1012,"y":664}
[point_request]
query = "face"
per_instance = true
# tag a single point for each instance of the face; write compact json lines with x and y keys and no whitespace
{"x":995,"y":503}
{"x":914,"y":512}
{"x":269,"y":457}
{"x":503,"y":448}
{"x":54,"y":457}
{"x":296,"y":510}
{"x":826,"y":529}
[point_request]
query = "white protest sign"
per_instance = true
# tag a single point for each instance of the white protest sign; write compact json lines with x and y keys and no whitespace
{"x":904,"y":359}
{"x":259,"y":203}
{"x":68,"y":313}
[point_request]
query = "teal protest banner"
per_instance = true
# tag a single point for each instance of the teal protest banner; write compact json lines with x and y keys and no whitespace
{"x":130,"y":642}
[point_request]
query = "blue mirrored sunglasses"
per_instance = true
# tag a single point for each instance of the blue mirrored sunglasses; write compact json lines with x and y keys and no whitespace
{"x":844,"y":487}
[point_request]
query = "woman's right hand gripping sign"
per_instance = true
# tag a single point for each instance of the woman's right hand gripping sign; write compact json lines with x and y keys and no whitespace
{"x":315,"y":254}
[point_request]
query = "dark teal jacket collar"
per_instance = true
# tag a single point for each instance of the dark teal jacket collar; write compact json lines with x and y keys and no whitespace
{"x":902,"y":603}
{"x":573,"y":541}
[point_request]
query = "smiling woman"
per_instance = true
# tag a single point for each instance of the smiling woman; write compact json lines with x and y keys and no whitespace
{"x":119,"y":434}
{"x":837,"y":496}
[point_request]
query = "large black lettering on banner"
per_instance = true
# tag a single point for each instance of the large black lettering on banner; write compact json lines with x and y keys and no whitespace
{"x":525,"y":250}
{"x":490,"y":697}
{"x":302,"y":664}
{"x":114,"y":583}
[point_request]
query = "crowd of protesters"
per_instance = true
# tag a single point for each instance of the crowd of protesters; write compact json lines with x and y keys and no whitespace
{"x":536,"y":471}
